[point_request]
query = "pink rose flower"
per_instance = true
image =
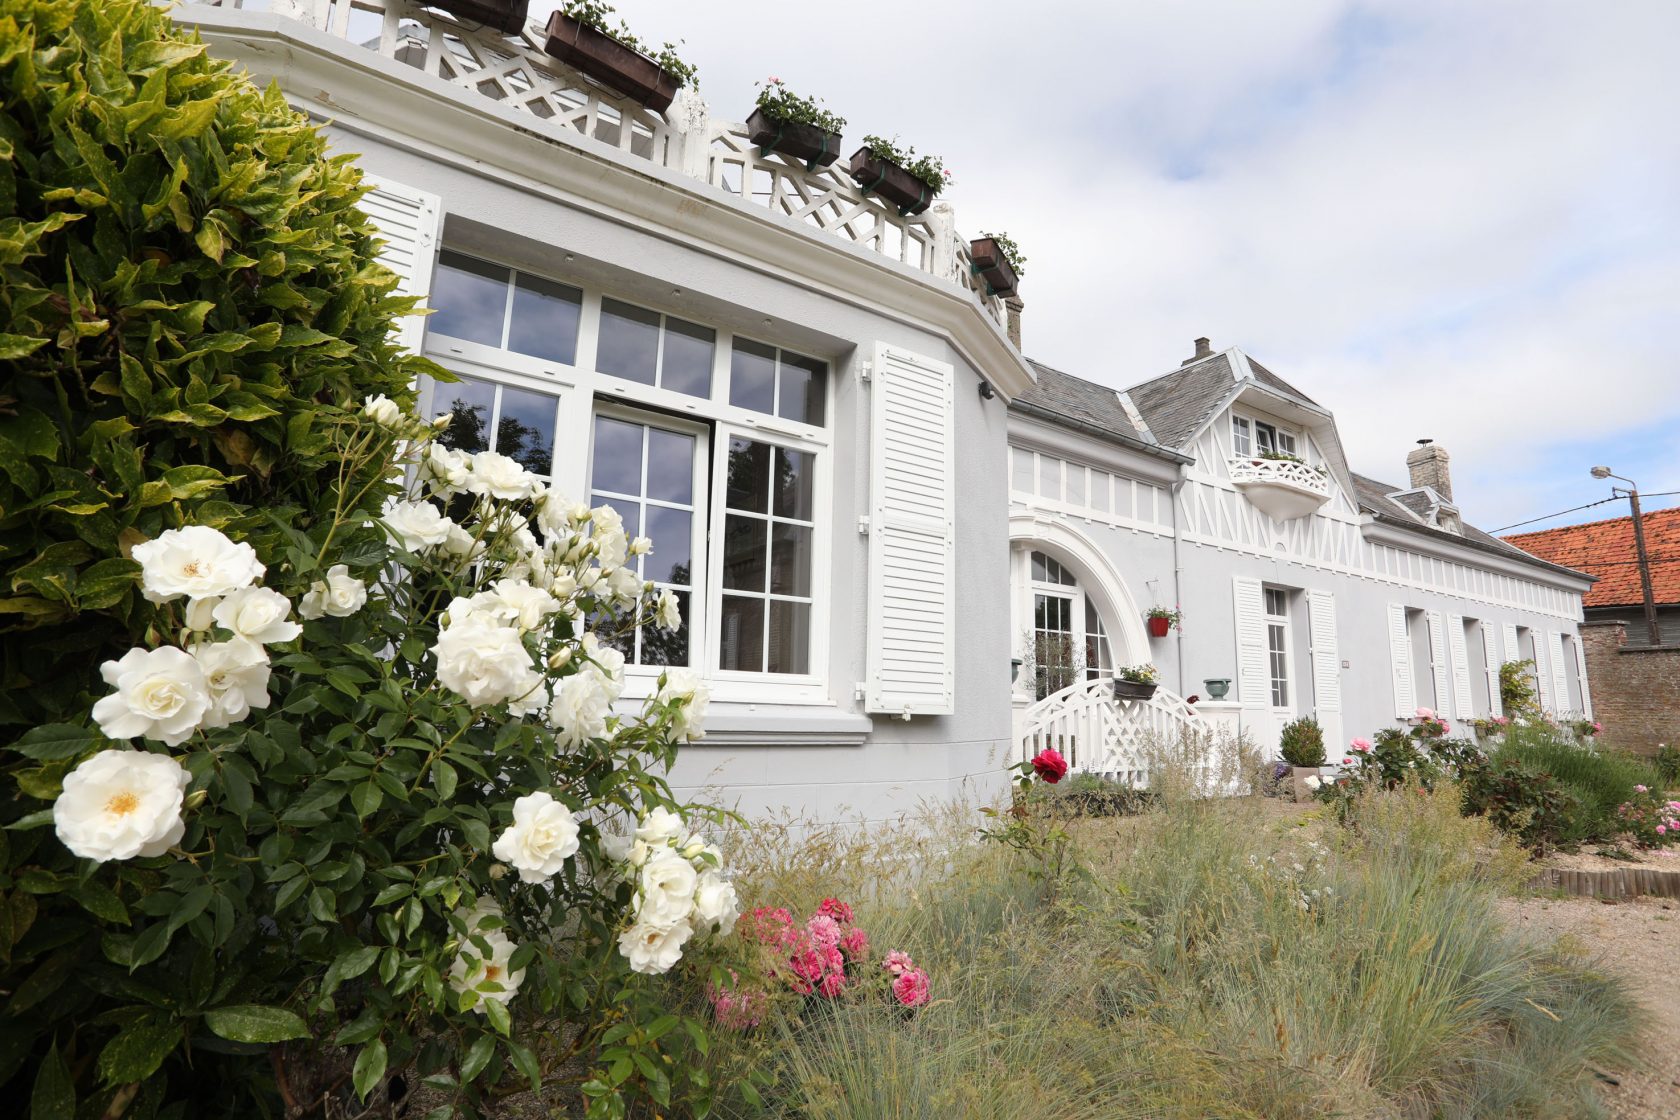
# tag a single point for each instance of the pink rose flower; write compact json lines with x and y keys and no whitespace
{"x":1347,"y":762}
{"x":1425,"y":713}
{"x":1050,"y":765}
{"x":911,"y":987}
{"x":1361,"y":744}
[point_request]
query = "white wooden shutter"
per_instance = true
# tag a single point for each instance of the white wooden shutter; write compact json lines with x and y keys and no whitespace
{"x":1254,"y":678}
{"x":1513,"y":652}
{"x":911,"y":663}
{"x":1400,"y":661}
{"x":1542,"y":679}
{"x":1438,"y":662}
{"x":1490,"y":653}
{"x":407,"y":221}
{"x":1327,"y":666}
{"x":1560,"y":672}
{"x":1458,"y":650}
{"x":1581,"y":675}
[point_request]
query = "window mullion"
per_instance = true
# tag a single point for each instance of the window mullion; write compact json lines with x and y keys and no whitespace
{"x":507,"y":307}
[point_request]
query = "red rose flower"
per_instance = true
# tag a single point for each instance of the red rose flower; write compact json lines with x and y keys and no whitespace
{"x":1050,"y":766}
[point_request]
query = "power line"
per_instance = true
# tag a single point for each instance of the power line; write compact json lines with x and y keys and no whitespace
{"x":1589,"y":505}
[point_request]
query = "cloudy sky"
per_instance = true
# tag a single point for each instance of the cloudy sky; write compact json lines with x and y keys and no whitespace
{"x":1459,"y":221}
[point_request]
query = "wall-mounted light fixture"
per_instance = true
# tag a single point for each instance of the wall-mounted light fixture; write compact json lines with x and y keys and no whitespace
{"x":986,"y":390}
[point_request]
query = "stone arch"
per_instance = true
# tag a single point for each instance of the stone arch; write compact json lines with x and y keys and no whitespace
{"x":1102,"y":583}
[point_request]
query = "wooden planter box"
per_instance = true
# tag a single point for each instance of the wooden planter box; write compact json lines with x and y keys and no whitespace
{"x":610,"y":62}
{"x":818,"y":147}
{"x":506,"y":16}
{"x":891,"y":182}
{"x":992,"y":266}
{"x":1132,"y":690}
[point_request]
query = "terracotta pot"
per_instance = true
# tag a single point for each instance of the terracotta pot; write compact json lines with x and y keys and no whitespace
{"x":891,"y":182}
{"x":610,"y":62}
{"x":1133,"y":690}
{"x":993,"y":266}
{"x":506,"y":16}
{"x":1158,"y":627}
{"x":818,"y":147}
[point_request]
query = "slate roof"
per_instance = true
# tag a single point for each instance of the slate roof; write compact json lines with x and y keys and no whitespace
{"x":1605,"y":549}
{"x":1266,"y":377}
{"x":1063,"y":398}
{"x":1386,"y":502}
{"x":1177,"y":404}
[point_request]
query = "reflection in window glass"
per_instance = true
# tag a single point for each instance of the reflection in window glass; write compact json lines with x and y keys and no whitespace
{"x":777,"y":382}
{"x":767,"y":559}
{"x":470,"y":298}
{"x":517,"y":423}
{"x":629,"y":342}
{"x":686,"y":365}
{"x":802,"y":383}
{"x":1021,"y":473}
{"x":646,"y":473}
{"x":471,"y":406}
{"x":752,"y":376}
{"x":545,"y":319}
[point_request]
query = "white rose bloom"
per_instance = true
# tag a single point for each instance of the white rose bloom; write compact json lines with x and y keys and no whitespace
{"x":580,"y":709}
{"x":612,"y":548}
{"x":563,"y":586}
{"x":641,"y":546}
{"x":236,"y":673}
{"x":160,"y":694}
{"x":120,"y":804}
{"x":446,"y":469}
{"x":200,"y":615}
{"x":554,"y":515}
{"x":715,"y":903}
{"x":258,"y":615}
{"x":625,"y":584}
{"x":667,"y":885}
{"x":685,"y":685}
{"x":527,"y":605}
{"x":382,"y":410}
{"x":417,"y":525}
{"x":339,"y":595}
{"x":607,"y":664}
{"x":497,"y":476}
{"x":197,"y":562}
{"x":488,"y":976}
{"x":659,"y":826}
{"x":483,"y":663}
{"x":615,"y":846}
{"x":669,"y":613}
{"x":544,"y":834}
{"x":461,"y":543}
{"x":651,"y":948}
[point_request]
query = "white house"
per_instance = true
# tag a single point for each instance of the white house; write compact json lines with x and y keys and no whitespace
{"x":815,"y":410}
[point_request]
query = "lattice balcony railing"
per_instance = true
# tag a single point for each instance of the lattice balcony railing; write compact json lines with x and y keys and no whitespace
{"x":516,"y":71}
{"x":1286,"y":471}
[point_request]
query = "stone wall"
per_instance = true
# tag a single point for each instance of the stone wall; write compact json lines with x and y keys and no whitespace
{"x":1635,"y":691}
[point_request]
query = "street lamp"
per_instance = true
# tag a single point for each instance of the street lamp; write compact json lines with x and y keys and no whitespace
{"x":1632,"y":495}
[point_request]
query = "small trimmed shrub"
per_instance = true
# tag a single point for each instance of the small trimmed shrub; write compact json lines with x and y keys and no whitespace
{"x":1600,"y":781}
{"x":1524,"y":802}
{"x":1302,"y":743}
{"x":1668,"y":765}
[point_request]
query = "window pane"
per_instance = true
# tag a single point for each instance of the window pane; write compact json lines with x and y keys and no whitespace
{"x":752,"y":376}
{"x":1049,"y":478}
{"x":743,"y":553}
{"x":470,"y":405}
{"x":687,"y":365}
{"x":629,"y":342}
{"x":741,"y":634}
{"x":1239,"y":436}
{"x":794,"y":484}
{"x":1038,"y":571}
{"x":470,"y":297}
{"x":1076,"y":484}
{"x":672,"y":533}
{"x":618,"y":456}
{"x":790,"y":637}
{"x":670,"y":466}
{"x":1022,"y":478}
{"x":1099,"y":491}
{"x":1286,"y":442}
{"x":749,"y":475}
{"x":661,"y":648}
{"x":804,"y":381}
{"x":526,"y":429}
{"x":545,"y":319}
{"x":790,"y":560}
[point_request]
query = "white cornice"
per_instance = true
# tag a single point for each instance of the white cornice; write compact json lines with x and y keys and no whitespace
{"x":1399,"y":536}
{"x":1051,"y":438}
{"x":362,"y":90}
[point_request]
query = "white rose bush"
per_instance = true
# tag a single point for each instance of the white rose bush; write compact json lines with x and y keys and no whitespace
{"x":366,"y":804}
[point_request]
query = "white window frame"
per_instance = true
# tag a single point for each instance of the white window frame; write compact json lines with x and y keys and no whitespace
{"x":582,"y":391}
{"x":1251,"y":428}
{"x":1279,"y":624}
{"x":1242,"y":435}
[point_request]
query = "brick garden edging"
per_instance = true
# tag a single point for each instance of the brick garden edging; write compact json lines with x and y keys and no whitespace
{"x":1626,"y":882}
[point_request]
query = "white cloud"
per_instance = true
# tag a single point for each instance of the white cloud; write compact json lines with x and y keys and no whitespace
{"x":1439,"y":219}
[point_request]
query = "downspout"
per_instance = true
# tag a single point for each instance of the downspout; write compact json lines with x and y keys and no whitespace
{"x":1178,"y":639}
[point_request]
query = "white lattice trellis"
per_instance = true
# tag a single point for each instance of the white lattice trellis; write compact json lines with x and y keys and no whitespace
{"x":1100,"y":735}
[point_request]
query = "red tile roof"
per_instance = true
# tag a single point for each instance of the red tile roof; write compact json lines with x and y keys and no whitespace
{"x":1605,"y":549}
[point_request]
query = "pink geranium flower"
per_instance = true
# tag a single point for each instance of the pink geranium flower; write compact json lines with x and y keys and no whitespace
{"x":855,"y":944}
{"x":911,"y":987}
{"x":898,"y":962}
{"x":835,"y":909}
{"x":824,"y":930}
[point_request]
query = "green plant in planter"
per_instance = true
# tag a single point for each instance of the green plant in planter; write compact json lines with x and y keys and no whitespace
{"x":1516,"y":690}
{"x":1302,"y":743}
{"x":782,"y":104}
{"x":1138,"y":674}
{"x":929,"y":169}
{"x":1011,"y":252}
{"x":1173,"y":616}
{"x":594,"y":13}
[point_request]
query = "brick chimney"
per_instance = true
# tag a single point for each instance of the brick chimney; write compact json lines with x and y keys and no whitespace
{"x":1013,"y":306}
{"x":1204,"y":349}
{"x":1431,"y":466}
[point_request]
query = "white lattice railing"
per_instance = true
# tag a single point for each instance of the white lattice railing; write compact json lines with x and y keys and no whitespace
{"x":516,"y":71}
{"x":1288,"y":471}
{"x":1100,"y":735}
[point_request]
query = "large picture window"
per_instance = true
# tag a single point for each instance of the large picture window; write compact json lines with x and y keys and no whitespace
{"x":496,"y":306}
{"x":769,"y":518}
{"x":1277,"y":645}
{"x":484,"y":416}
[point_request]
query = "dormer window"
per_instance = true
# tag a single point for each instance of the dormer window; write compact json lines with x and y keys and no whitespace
{"x":1256,"y":437}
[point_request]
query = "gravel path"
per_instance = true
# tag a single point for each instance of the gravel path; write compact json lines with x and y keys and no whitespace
{"x":1641,"y":940}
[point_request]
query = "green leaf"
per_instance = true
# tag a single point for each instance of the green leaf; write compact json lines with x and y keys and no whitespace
{"x":56,"y":742}
{"x":347,"y":966}
{"x":525,"y":1062}
{"x":366,"y":798}
{"x":137,"y":1052}
{"x":478,"y":1056}
{"x":446,"y":778}
{"x":249,"y":1022}
{"x":370,"y":1067}
{"x":496,"y":1011}
{"x":149,"y":946}
{"x":54,"y":1097}
{"x":14,"y":346}
{"x":476,"y":832}
{"x":101,"y":901}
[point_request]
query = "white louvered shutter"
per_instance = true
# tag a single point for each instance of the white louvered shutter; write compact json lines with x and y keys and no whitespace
{"x":1560,"y":671}
{"x":407,"y":221}
{"x":1400,"y":662}
{"x":1327,"y":665}
{"x":1581,"y":675}
{"x":1542,"y":676}
{"x":1458,"y":650}
{"x":1490,"y":653}
{"x":1254,"y":678}
{"x":1438,"y":662}
{"x":1513,"y":652}
{"x":911,"y":661}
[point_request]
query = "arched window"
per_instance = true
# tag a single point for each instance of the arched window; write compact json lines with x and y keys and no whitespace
{"x":1068,"y":640}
